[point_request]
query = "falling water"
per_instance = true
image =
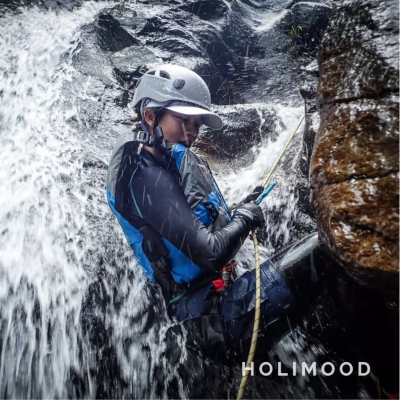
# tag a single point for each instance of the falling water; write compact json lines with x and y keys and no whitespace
{"x":44,"y":268}
{"x":42,"y":279}
{"x":238,"y":183}
{"x":269,"y":18}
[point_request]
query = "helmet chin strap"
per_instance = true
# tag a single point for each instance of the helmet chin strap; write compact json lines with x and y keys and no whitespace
{"x":157,"y":140}
{"x":161,"y":144}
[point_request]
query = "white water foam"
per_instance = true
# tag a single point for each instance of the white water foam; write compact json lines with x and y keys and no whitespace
{"x":268,"y":19}
{"x":236,"y":185}
{"x":42,"y":279}
{"x":52,"y":219}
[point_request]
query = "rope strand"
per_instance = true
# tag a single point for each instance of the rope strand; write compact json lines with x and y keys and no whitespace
{"x":254,"y":336}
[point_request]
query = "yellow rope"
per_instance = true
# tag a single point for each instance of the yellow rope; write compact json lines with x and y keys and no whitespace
{"x":282,"y":153}
{"x":254,"y":337}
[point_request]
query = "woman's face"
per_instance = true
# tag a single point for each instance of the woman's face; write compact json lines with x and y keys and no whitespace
{"x":179,"y":128}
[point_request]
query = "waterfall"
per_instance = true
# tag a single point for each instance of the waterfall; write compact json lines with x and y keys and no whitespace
{"x":45,"y":239}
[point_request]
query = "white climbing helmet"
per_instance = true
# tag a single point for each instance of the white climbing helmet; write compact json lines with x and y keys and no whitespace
{"x":177,"y":89}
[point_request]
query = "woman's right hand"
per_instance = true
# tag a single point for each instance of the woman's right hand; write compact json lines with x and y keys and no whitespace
{"x":252,"y":213}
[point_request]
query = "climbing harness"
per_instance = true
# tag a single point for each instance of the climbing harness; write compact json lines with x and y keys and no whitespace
{"x":254,"y":337}
{"x":221,"y":281}
{"x":229,"y":274}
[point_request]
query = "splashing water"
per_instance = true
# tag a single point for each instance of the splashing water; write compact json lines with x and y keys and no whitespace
{"x":237,"y":184}
{"x":42,"y":281}
{"x":48,"y":276}
{"x":42,"y":214}
{"x":268,"y":19}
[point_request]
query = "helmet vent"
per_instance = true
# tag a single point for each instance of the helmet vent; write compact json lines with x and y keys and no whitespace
{"x":151,"y":72}
{"x":165,"y":75}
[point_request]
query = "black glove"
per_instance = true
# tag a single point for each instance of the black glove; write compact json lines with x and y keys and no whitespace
{"x":254,"y":195}
{"x":252,"y":213}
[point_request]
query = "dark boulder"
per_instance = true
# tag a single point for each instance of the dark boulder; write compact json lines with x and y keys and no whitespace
{"x":359,"y":56}
{"x":300,"y":28}
{"x":354,"y":173}
{"x":112,"y":35}
{"x":181,"y":37}
{"x":272,"y":47}
{"x":240,"y":33}
{"x":133,"y":62}
{"x":209,"y":10}
{"x":241,"y":125}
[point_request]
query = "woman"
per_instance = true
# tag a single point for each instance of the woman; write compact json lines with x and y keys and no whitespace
{"x":172,"y":212}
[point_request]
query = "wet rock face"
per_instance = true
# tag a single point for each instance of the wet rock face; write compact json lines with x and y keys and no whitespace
{"x":45,"y":4}
{"x":306,"y":23}
{"x":309,"y":83}
{"x":354,"y":172}
{"x":242,"y":124}
{"x":360,"y":52}
{"x":112,"y":36}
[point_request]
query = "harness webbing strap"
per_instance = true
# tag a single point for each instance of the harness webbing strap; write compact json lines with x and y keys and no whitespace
{"x":192,"y":286}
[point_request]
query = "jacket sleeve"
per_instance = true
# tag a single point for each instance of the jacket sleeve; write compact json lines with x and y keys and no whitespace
{"x":159,"y":200}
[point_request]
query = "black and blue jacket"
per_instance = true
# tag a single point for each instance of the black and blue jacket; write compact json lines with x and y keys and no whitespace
{"x":176,"y":201}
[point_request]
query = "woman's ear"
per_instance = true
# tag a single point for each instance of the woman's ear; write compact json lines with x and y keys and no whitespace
{"x":149,"y":117}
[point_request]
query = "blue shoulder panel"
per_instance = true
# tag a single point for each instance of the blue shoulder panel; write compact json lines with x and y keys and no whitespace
{"x":178,"y":154}
{"x":134,"y":237}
